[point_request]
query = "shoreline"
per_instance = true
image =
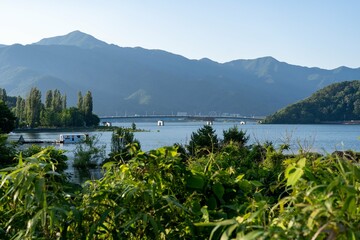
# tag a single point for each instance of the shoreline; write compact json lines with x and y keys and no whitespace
{"x":64,"y":129}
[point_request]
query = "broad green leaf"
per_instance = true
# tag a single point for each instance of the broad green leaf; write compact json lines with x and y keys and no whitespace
{"x":219,"y":190}
{"x":256,"y":183}
{"x":252,"y":235}
{"x":350,"y":205}
{"x":293,"y":175}
{"x":195,"y":181}
{"x":228,"y":232}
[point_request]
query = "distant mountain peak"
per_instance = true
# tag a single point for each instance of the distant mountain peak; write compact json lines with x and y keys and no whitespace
{"x":207,"y":60}
{"x":75,"y":38}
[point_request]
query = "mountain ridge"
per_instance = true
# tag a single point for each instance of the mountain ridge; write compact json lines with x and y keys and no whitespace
{"x":138,"y":80}
{"x":75,"y":38}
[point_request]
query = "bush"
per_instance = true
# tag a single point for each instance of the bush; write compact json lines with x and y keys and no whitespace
{"x":88,"y":153}
{"x":203,"y":142}
{"x":234,"y":135}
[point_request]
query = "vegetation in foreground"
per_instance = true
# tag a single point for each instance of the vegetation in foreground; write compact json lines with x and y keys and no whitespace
{"x":339,"y":102}
{"x":218,"y":189}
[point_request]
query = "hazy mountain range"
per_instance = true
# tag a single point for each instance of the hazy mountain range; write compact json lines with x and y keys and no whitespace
{"x":136,"y":80}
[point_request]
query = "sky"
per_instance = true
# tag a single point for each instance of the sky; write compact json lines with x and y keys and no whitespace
{"x":313,"y":33}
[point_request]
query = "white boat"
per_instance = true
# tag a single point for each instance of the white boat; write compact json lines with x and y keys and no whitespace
{"x":72,"y":138}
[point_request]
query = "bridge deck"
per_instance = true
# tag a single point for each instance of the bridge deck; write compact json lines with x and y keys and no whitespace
{"x":200,"y":117}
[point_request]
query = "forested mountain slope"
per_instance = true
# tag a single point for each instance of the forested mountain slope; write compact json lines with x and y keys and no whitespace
{"x":338,"y":102}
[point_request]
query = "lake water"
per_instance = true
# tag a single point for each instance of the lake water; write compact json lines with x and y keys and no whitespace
{"x":316,"y":138}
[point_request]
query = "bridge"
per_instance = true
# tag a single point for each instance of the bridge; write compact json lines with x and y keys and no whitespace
{"x":183,"y":118}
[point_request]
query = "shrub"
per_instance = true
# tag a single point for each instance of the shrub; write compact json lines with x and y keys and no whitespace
{"x":203,"y":141}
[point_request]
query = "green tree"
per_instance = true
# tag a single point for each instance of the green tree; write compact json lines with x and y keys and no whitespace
{"x":56,"y":101}
{"x":33,"y":107}
{"x":80,"y":102}
{"x":235,"y":135}
{"x":72,"y":117}
{"x":88,"y":107}
{"x":64,"y":102}
{"x":122,"y":141}
{"x":7,"y":118}
{"x":20,"y":112}
{"x":48,"y":99}
{"x":203,"y":141}
{"x":3,"y":95}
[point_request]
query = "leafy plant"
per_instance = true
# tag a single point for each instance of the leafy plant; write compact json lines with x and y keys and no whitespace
{"x":88,"y":153}
{"x":203,"y":141}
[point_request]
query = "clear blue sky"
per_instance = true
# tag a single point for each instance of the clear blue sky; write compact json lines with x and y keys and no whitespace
{"x":322,"y":33}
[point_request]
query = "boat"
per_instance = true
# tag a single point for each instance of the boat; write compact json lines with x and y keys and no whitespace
{"x":72,"y":138}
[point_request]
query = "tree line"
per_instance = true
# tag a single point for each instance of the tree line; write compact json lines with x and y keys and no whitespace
{"x":31,"y":112}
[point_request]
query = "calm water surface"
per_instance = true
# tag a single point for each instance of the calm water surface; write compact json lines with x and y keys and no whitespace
{"x":319,"y":138}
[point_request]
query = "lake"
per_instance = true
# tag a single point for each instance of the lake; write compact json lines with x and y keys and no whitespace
{"x":316,"y":138}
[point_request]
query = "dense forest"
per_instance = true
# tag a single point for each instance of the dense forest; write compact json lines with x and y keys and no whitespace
{"x":210,"y":189}
{"x":339,"y":102}
{"x":31,"y":112}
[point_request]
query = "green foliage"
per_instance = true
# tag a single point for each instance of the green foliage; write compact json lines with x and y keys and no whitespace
{"x":31,"y":112}
{"x":88,"y":154}
{"x":123,"y":144}
{"x":234,"y":135}
{"x":72,"y":117}
{"x":7,"y":119}
{"x":7,"y":152}
{"x":203,"y":141}
{"x":20,"y":112}
{"x":55,"y":156}
{"x":335,"y":103}
{"x":133,"y":126}
{"x":33,"y":107}
{"x":33,"y":199}
{"x":236,"y":192}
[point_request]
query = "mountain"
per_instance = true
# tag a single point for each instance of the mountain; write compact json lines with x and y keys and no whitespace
{"x":337,"y":102}
{"x":75,"y":38}
{"x":2,"y":45}
{"x":140,"y":81}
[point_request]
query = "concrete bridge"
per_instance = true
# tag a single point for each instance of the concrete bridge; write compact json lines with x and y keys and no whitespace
{"x":182,"y":118}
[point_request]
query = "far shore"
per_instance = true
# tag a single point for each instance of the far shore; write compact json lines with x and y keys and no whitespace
{"x":71,"y":129}
{"x":65,"y":129}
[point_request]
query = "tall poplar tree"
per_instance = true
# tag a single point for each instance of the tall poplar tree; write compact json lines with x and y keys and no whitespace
{"x":3,"y":96}
{"x":48,"y":99}
{"x":20,"y":112}
{"x":87,"y":108}
{"x":56,"y":101}
{"x":64,"y":102}
{"x":88,"y":104}
{"x":80,"y":102}
{"x":33,"y":107}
